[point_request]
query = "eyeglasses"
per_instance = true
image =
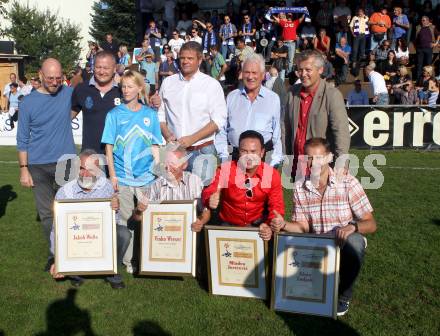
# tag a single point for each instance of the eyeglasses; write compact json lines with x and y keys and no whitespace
{"x":248,"y":186}
{"x":52,"y":78}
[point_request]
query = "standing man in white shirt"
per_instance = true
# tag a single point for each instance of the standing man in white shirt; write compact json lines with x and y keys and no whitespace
{"x":378,"y":85}
{"x":193,"y":109}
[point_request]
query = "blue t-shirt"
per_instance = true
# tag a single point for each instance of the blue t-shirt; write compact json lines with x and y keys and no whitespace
{"x":132,"y":134}
{"x":346,"y":48}
{"x":398,"y":31}
{"x":151,"y":69}
{"x":44,"y":126}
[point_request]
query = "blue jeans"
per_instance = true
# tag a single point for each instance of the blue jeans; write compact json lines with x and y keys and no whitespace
{"x":291,"y":48}
{"x":123,"y":237}
{"x":227,"y":50}
{"x":352,"y":257}
{"x":359,"y":42}
{"x":382,"y":99}
{"x":203,"y":163}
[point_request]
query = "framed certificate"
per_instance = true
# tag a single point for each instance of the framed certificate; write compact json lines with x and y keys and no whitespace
{"x":305,"y":274}
{"x":168,"y":245}
{"x":237,"y":261}
{"x":85,"y":237}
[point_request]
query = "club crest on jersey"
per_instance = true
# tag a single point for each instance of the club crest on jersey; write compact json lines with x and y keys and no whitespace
{"x":147,"y":121}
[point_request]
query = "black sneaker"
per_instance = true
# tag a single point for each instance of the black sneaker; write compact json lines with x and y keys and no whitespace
{"x":116,"y":285}
{"x":76,"y":282}
{"x":343,"y":306}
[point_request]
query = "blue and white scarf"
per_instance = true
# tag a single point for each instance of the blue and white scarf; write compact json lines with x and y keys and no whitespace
{"x":294,"y":10}
{"x":227,"y":31}
{"x":212,"y":40}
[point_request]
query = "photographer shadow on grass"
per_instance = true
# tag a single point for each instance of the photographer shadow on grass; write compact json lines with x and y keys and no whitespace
{"x":63,"y":317}
{"x":6,"y":195}
{"x":148,"y":328}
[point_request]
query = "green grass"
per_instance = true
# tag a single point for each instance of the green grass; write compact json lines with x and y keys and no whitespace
{"x":397,"y":292}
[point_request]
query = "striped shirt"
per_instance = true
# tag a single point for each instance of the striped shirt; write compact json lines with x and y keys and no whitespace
{"x":189,"y":188}
{"x":341,"y":202}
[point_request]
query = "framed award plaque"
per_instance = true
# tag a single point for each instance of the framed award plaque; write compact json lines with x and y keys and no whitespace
{"x":237,"y":263}
{"x":168,"y":245}
{"x":85,"y":237}
{"x":305,"y":274}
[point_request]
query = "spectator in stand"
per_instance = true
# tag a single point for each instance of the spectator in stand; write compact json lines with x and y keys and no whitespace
{"x":389,"y":67}
{"x":380,"y":54}
{"x":168,"y":67}
{"x":308,"y":32}
{"x":328,"y":72}
{"x":402,"y":75}
{"x":360,"y":32}
{"x":243,"y":50}
{"x":152,"y":70}
{"x":380,"y":22}
{"x":195,"y":36}
{"x":93,"y":49}
{"x":424,"y":42}
{"x":279,"y":58}
{"x":400,"y":26}
{"x":289,"y":27}
{"x":13,"y":79}
{"x":110,"y":45}
{"x":154,"y":35}
{"x":402,"y":51}
{"x":228,"y":32}
{"x":146,"y":49}
{"x":210,"y":38}
{"x":24,"y":86}
{"x":324,"y":17}
{"x":341,"y":18}
{"x":378,"y":85}
{"x":176,"y":43}
{"x":247,"y":30}
{"x":124,"y":56}
{"x":342,"y":59}
{"x":219,"y":66}
{"x":357,"y":96}
{"x":433,"y":92}
{"x":165,"y":49}
{"x":391,"y":96}
{"x":423,"y":83}
{"x":405,"y":94}
{"x":184,"y":24}
{"x":322,"y":42}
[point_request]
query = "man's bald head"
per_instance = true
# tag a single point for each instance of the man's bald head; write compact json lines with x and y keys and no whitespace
{"x":51,"y":76}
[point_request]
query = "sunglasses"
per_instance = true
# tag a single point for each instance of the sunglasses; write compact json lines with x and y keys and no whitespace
{"x":248,"y":186}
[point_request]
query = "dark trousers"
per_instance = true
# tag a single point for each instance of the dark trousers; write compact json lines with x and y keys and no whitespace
{"x":424,"y":57}
{"x":123,"y":236}
{"x":359,"y":43}
{"x":45,"y":188}
{"x":352,"y":256}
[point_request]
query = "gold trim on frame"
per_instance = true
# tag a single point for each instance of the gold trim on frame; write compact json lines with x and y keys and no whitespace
{"x":56,"y":206}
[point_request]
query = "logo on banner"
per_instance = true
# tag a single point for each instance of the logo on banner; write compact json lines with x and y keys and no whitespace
{"x":352,"y":127}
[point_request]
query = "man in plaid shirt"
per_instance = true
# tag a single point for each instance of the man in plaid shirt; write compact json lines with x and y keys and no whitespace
{"x":325,"y":205}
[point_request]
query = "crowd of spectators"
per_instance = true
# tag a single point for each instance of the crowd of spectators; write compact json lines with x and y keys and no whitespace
{"x":395,"y":42}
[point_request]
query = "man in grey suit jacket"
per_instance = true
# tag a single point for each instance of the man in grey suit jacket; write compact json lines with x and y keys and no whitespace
{"x":314,"y":109}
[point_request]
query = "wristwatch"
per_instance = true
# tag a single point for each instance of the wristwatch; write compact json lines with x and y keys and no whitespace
{"x":355,"y":224}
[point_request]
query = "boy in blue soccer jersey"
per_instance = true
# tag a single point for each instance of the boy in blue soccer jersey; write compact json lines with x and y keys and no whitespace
{"x":132,"y":135}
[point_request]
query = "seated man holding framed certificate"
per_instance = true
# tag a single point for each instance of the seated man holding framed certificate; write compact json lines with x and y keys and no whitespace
{"x":174,"y":184}
{"x":246,"y":192}
{"x":92,"y":184}
{"x":324,"y":205}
